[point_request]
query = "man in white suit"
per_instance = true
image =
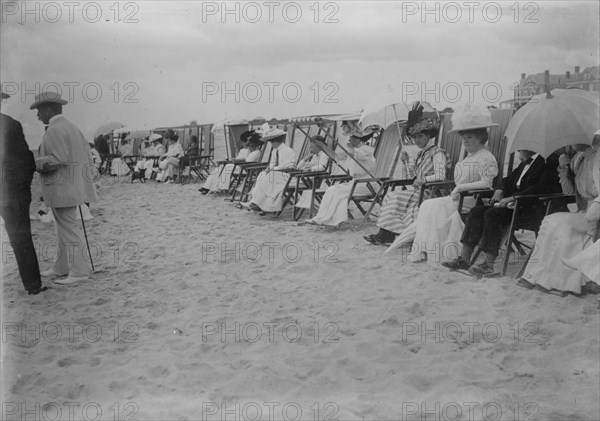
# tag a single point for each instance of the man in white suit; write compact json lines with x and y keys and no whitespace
{"x":67,"y":179}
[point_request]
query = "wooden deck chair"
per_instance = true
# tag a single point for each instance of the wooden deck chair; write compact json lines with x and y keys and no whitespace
{"x":201,"y":164}
{"x":233,"y":132}
{"x":387,"y":155}
{"x":131,"y":161}
{"x":510,"y":243}
{"x":302,"y":180}
{"x":248,"y":173}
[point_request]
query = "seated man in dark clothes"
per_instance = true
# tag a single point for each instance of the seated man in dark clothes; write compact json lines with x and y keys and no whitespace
{"x":486,"y":224}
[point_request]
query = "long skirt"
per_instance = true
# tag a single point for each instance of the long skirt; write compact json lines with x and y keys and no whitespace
{"x":168,"y":166}
{"x":267,"y":193}
{"x":588,"y":262}
{"x":334,"y":206}
{"x":438,"y":231}
{"x":562,"y":236}
{"x":119,"y":167}
{"x":400,"y":208}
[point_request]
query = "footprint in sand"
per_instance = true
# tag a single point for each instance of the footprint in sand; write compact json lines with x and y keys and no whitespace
{"x":67,"y":362}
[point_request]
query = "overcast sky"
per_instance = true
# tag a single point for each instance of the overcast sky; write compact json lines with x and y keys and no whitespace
{"x":151,"y":64}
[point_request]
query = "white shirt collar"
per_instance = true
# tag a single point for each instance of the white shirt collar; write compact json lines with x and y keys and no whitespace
{"x":53,"y":118}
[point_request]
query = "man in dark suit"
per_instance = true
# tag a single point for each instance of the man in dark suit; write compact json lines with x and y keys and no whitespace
{"x":486,"y":224}
{"x":18,"y":167}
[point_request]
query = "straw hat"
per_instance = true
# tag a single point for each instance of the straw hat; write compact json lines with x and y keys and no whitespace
{"x":46,"y":97}
{"x":318,"y":140}
{"x":270,"y":133}
{"x":471,"y":116}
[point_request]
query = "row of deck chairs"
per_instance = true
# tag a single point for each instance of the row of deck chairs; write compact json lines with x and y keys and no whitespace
{"x":190,"y":167}
{"x":386,"y":176}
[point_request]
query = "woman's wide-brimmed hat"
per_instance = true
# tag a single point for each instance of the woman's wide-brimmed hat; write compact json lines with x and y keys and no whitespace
{"x":255,"y":140}
{"x":46,"y":97}
{"x":470,"y":117}
{"x":154,"y":137}
{"x":319,"y":140}
{"x":423,"y":120}
{"x":270,"y":133}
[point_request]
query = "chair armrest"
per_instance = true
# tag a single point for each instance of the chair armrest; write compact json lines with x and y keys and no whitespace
{"x":311,"y":174}
{"x":339,"y":177}
{"x":484,"y":192}
{"x":399,"y":182}
{"x":253,"y":165}
{"x":289,"y":170}
{"x":371,"y":180}
{"x":440,"y":184}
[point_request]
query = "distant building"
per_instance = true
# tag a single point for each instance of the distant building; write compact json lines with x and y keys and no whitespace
{"x":528,"y":86}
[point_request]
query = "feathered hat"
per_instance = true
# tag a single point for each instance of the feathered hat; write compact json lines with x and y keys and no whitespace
{"x":471,"y":116}
{"x":420,"y":121}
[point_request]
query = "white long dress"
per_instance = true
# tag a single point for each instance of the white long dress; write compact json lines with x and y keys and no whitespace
{"x":316,"y":162}
{"x":225,"y":178}
{"x":438,"y":227}
{"x":267,"y":193}
{"x":564,"y":235}
{"x":119,"y":167}
{"x":213,"y":181}
{"x":171,"y":161}
{"x":334,"y":206}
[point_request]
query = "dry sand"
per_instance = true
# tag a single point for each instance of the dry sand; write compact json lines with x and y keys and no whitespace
{"x":184,"y":320}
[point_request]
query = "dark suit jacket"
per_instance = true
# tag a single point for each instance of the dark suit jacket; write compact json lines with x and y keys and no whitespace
{"x":16,"y":161}
{"x":540,"y":178}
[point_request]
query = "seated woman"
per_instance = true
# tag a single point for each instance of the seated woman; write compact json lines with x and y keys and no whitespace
{"x":220,"y":176}
{"x":315,"y":162}
{"x":400,"y":207}
{"x":193,"y":148}
{"x":170,"y":160}
{"x":267,"y":193}
{"x":334,"y":206}
{"x":563,"y":235}
{"x":118,"y":166}
{"x":438,"y":227}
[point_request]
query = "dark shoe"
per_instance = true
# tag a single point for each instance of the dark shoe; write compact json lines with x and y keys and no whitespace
{"x":373,"y":239}
{"x":481,"y":270}
{"x":525,"y":284}
{"x":203,"y":190}
{"x":37,"y":290}
{"x":456,"y":264}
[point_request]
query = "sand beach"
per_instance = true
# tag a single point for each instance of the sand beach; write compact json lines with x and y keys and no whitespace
{"x":201,"y":311}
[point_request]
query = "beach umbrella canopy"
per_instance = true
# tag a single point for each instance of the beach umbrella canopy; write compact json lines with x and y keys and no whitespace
{"x":551,"y":121}
{"x":137,"y":134}
{"x":107,"y":128}
{"x":384,"y":110}
{"x":218,"y":127}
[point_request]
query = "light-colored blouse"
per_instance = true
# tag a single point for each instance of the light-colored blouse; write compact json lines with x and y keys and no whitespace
{"x":478,"y":169}
{"x":314,"y":162}
{"x":582,"y":164}
{"x":252,"y":156}
{"x":242,"y":153}
{"x":365,"y":155}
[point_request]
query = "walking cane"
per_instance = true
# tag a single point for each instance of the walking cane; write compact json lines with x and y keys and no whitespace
{"x":86,"y":239}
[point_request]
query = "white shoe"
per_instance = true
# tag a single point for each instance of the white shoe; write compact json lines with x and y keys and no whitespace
{"x":50,"y":273}
{"x":71,"y":280}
